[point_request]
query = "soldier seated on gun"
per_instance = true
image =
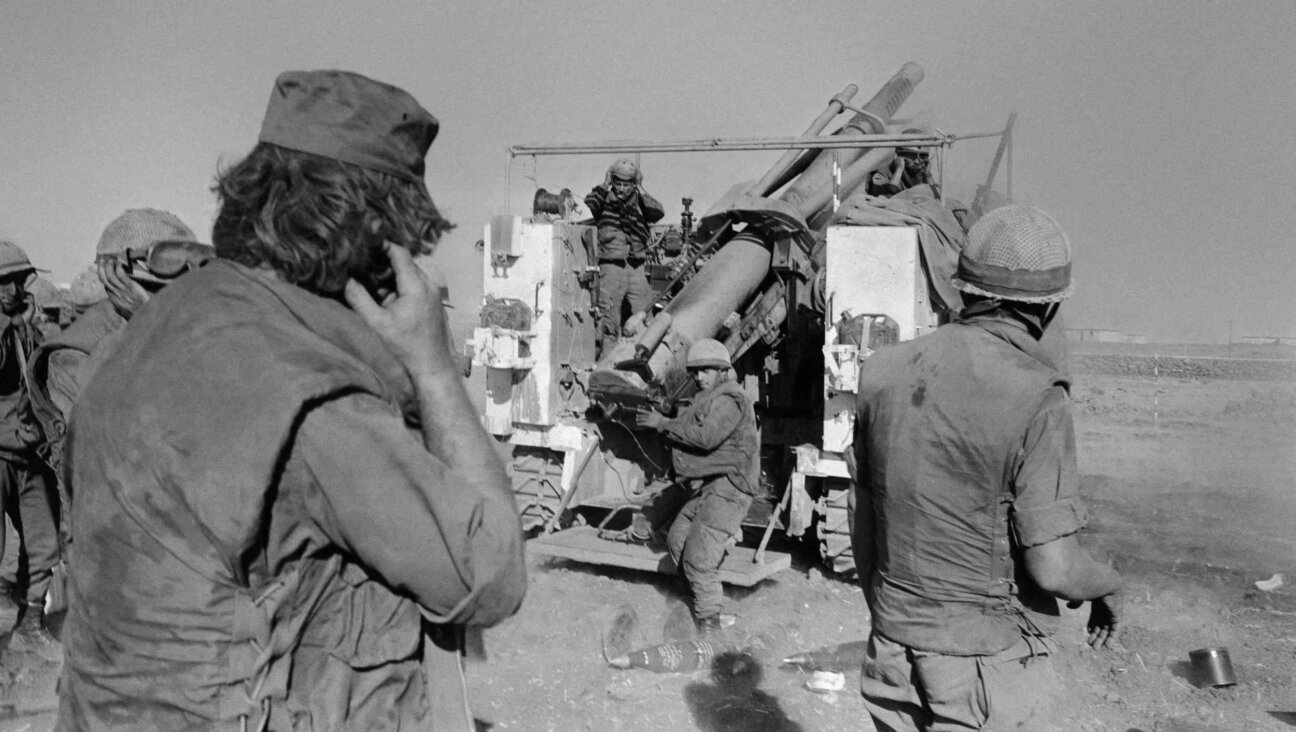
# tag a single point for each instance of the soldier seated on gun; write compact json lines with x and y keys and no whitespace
{"x":716,"y":454}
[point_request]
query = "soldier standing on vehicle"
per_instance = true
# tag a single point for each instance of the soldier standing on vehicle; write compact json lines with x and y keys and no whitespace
{"x":965,"y":470}
{"x":286,"y":514}
{"x":716,"y":450}
{"x":622,"y":211}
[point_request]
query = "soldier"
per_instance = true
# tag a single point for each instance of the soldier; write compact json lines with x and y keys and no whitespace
{"x":622,"y":211}
{"x":58,"y":366}
{"x":64,"y":361}
{"x":25,"y":483}
{"x":716,"y":451}
{"x":965,"y":472}
{"x":285,"y":512}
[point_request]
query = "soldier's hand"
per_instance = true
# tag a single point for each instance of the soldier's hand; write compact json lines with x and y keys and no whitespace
{"x":1106,"y":614}
{"x":412,"y":322}
{"x":126,"y":295}
{"x":649,"y":418}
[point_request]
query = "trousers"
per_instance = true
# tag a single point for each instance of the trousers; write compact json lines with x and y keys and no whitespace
{"x":907,"y":690}
{"x":27,"y":499}
{"x":699,"y":537}
{"x":620,"y":283}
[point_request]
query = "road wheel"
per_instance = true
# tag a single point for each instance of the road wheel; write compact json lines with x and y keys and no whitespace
{"x":537,"y":485}
{"x":834,"y":529}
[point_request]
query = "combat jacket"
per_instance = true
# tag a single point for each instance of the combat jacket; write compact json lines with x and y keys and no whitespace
{"x":261,"y":537}
{"x":965,"y":451}
{"x":716,"y":435}
{"x":18,"y":338}
{"x":54,"y":388}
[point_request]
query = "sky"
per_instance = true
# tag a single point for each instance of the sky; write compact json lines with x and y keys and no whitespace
{"x":1158,"y":133}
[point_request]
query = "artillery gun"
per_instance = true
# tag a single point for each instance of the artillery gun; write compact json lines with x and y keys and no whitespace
{"x":795,"y":290}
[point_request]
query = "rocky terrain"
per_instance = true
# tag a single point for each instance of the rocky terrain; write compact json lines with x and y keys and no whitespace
{"x":1189,"y":470}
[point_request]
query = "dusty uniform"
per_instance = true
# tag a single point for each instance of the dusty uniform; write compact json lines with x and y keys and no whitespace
{"x":25,"y":483}
{"x":623,"y":250}
{"x":714,"y":446}
{"x":261,"y":537}
{"x":58,"y":372}
{"x":965,"y":453}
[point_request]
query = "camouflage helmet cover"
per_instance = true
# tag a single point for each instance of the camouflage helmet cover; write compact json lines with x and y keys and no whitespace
{"x":1016,"y":253}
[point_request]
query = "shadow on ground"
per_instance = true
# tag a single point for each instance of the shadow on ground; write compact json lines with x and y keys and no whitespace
{"x":731,"y":701}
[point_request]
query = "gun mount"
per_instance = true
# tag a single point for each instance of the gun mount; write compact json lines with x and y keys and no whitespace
{"x":798,"y":283}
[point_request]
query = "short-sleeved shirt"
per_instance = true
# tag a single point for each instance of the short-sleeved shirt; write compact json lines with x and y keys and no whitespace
{"x":966,"y":450}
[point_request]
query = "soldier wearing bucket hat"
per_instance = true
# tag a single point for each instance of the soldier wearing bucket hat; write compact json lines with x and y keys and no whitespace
{"x":25,"y":483}
{"x":964,"y":440}
{"x":288,"y":431}
{"x":622,"y":211}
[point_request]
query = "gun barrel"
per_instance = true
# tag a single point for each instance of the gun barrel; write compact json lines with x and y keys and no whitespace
{"x":870,"y":120}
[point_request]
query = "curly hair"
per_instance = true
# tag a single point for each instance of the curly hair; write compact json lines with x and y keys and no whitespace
{"x":318,"y":221}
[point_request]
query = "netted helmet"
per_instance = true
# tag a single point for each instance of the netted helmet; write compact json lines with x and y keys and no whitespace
{"x":1016,"y":253}
{"x":624,"y":169}
{"x":708,"y":353}
{"x":86,"y":290}
{"x":136,"y":231}
{"x":44,"y":293}
{"x":138,"y":228}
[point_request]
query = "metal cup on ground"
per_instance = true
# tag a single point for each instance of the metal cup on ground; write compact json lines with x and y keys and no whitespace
{"x":1212,"y":667}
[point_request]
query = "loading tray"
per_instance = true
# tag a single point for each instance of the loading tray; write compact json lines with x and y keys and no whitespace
{"x":582,"y":544}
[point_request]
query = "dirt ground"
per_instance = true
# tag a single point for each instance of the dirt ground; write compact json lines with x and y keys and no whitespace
{"x":1191,"y":485}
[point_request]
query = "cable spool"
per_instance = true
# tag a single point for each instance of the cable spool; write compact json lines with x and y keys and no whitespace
{"x":557,"y":204}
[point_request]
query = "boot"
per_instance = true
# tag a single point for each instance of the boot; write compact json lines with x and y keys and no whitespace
{"x":714,"y":624}
{"x":30,"y":636}
{"x":638,"y":532}
{"x":8,"y":608}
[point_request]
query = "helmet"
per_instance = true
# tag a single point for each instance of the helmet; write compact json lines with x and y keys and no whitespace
{"x":708,"y":353}
{"x":13,"y":260}
{"x":914,"y":152}
{"x":139,"y":229}
{"x":86,"y":290}
{"x":1016,"y":253}
{"x":44,"y":293}
{"x":624,"y":169}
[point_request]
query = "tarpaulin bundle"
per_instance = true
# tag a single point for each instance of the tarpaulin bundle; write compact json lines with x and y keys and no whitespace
{"x":940,"y":236}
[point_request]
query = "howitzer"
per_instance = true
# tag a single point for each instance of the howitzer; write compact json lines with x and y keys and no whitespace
{"x":769,"y":273}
